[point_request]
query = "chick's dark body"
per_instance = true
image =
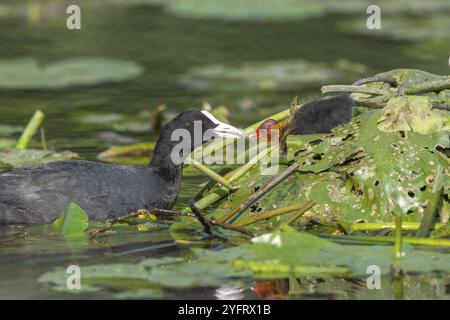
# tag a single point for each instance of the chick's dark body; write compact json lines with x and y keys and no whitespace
{"x":321,"y":115}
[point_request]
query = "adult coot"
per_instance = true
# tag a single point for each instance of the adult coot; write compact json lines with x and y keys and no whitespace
{"x":40,"y":194}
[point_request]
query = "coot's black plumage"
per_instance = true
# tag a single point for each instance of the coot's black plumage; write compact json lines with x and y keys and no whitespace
{"x":318,"y":116}
{"x":321,"y":115}
{"x":40,"y":194}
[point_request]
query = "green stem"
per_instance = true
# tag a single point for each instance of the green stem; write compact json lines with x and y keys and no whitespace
{"x":398,"y":236}
{"x":429,"y":86}
{"x":30,"y":130}
{"x":234,"y":213}
{"x":43,"y":139}
{"x":308,"y":205}
{"x":273,"y":213}
{"x":221,"y":193}
{"x":435,"y":202}
{"x":413,"y":241}
{"x":211,"y":198}
{"x":387,"y":225}
{"x":210,"y":173}
{"x":239,"y":172}
{"x":398,"y":287}
{"x":357,"y":89}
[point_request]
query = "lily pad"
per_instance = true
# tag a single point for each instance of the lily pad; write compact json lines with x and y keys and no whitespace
{"x":28,"y":74}
{"x":136,"y":153}
{"x":275,"y":255}
{"x":246,"y":10}
{"x":273,"y":75}
{"x":7,"y":130}
{"x":7,"y":143}
{"x":418,"y":28}
{"x":21,"y":158}
{"x":101,"y":118}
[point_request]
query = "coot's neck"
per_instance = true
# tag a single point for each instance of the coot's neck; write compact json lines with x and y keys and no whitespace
{"x":162,"y":161}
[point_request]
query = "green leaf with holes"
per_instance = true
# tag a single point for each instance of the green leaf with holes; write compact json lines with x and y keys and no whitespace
{"x":399,"y":168}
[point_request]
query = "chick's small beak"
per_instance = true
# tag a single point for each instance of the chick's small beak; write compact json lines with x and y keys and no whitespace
{"x":224,"y":130}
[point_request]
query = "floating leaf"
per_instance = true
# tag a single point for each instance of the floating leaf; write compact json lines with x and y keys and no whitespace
{"x":7,"y":130}
{"x":249,"y":9}
{"x":412,"y":113}
{"x":73,"y":222}
{"x":275,"y":255}
{"x":28,"y":157}
{"x":399,"y":169}
{"x":273,"y":75}
{"x":417,"y":28}
{"x":139,"y":153}
{"x":28,"y":74}
{"x":101,"y":118}
{"x":7,"y":143}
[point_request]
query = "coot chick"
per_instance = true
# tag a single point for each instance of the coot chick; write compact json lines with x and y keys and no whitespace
{"x":318,"y":116}
{"x":321,"y":115}
{"x":40,"y":194}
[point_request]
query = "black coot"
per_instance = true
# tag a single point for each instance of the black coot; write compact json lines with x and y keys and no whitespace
{"x":40,"y":194}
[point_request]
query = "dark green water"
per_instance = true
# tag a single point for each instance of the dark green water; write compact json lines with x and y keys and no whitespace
{"x":167,"y":46}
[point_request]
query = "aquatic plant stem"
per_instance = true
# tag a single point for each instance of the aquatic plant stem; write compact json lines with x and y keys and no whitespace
{"x":205,"y":223}
{"x":398,"y":236}
{"x":43,"y":139}
{"x":387,"y":225}
{"x":429,"y":86}
{"x":357,"y":89}
{"x":211,"y":174}
{"x":213,"y":197}
{"x":409,"y":240}
{"x":435,"y":203}
{"x":272,"y":213}
{"x":308,"y":205}
{"x":237,"y":211}
{"x":375,"y":105}
{"x":31,"y":128}
{"x":388,"y":79}
{"x":231,"y":227}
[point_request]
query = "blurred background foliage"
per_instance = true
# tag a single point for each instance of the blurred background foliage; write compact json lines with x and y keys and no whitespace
{"x":252,"y":56}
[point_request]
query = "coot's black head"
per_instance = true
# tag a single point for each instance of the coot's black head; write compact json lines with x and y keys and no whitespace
{"x":193,"y":120}
{"x":201,"y":126}
{"x":187,"y":131}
